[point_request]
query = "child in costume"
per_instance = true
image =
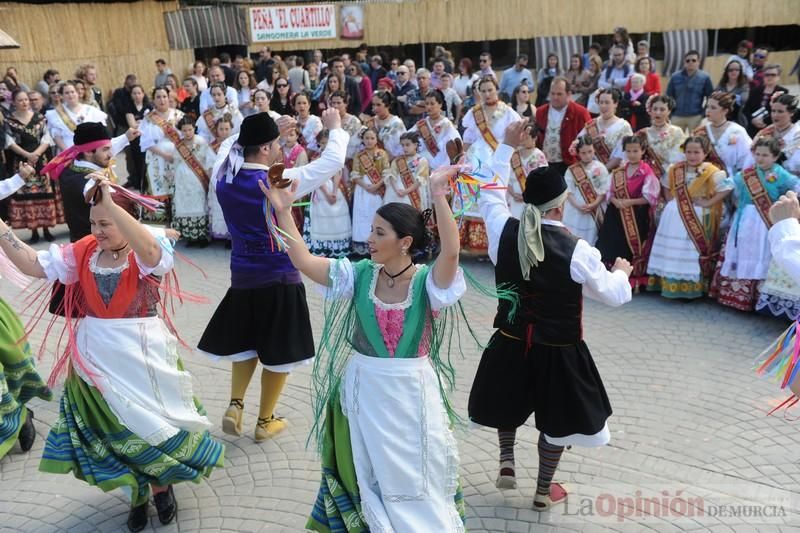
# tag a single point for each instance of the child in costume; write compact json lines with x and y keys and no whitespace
{"x":367,"y":180}
{"x":628,"y":224}
{"x":746,"y":255}
{"x":331,"y":230}
{"x":407,"y":179}
{"x":588,"y":182}
{"x":687,"y":240}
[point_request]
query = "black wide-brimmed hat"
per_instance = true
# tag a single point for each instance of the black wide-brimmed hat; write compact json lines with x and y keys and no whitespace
{"x":89,"y":132}
{"x":542,"y":185}
{"x":258,"y":129}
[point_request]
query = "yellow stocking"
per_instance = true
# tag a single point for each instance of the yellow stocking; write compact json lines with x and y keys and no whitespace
{"x":241,"y":375}
{"x":271,"y":386}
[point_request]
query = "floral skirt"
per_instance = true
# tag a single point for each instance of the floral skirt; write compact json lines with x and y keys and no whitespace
{"x":473,"y":237}
{"x":191,"y":228}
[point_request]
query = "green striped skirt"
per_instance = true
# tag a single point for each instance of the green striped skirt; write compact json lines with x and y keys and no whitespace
{"x":89,"y":441}
{"x":19,"y":380}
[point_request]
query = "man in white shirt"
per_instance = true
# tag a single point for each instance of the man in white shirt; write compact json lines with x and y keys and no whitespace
{"x":537,"y":361}
{"x":216,"y":75}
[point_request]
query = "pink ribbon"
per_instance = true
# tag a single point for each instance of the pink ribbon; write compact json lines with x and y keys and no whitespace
{"x":57,"y":165}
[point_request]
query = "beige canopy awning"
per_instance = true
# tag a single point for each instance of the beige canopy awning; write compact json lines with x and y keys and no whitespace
{"x":6,"y":41}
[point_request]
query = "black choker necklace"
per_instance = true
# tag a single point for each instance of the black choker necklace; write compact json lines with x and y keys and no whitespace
{"x":115,"y":252}
{"x":390,"y":282}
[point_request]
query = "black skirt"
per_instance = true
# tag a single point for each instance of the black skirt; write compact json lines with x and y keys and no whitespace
{"x":560,"y":384}
{"x":274,"y":321}
{"x":611,"y":239}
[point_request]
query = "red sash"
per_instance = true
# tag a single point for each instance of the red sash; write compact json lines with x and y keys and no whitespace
{"x":694,"y":227}
{"x":483,"y":126}
{"x":125,"y":291}
{"x":369,"y":169}
{"x":185,"y":152}
{"x":600,"y":148}
{"x":651,"y":156}
{"x":208,"y":116}
{"x":758,"y":193}
{"x":628,"y":216}
{"x":769,"y":131}
{"x":408,"y":181}
{"x":587,"y":191}
{"x":427,"y":136}
{"x":345,"y":192}
{"x":519,"y":170}
{"x":712,"y":157}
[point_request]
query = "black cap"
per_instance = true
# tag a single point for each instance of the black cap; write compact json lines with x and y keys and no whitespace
{"x":89,"y":132}
{"x":258,"y":129}
{"x":542,"y":185}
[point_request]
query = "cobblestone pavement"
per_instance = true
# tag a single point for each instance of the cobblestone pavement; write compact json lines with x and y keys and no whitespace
{"x":691,"y":446}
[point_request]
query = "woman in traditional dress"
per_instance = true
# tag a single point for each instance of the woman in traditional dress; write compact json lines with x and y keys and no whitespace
{"x":730,"y":143}
{"x":484,"y":125}
{"x":369,"y":167}
{"x":786,"y":129}
{"x":398,"y":472}
{"x":331,"y":229}
{"x":310,"y":125}
{"x":407,"y":179}
{"x":628,"y":224}
{"x":435,"y":130}
{"x":220,"y":107}
{"x":158,"y":140}
{"x":746,"y":256}
{"x":664,"y":140}
{"x":588,"y":182}
{"x":685,"y":249}
{"x":19,"y":380}
{"x":27,"y":140}
{"x":216,"y":223}
{"x":389,"y":127}
{"x":62,"y":119}
{"x":608,"y":128}
{"x":779,"y":295}
{"x":128,"y":416}
{"x":193,"y":163}
{"x":350,"y":124}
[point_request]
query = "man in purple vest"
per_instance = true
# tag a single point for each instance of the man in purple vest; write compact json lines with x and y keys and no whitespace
{"x":264,"y":315}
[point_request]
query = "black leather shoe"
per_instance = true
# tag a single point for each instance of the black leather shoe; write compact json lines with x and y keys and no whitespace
{"x":166,"y":506}
{"x":48,"y":236}
{"x":27,"y":434}
{"x":137,"y":518}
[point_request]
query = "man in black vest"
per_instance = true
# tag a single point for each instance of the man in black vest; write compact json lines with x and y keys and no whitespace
{"x":93,"y":150}
{"x":537,"y":360}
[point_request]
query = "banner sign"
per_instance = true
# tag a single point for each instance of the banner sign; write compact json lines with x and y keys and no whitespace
{"x":292,"y":23}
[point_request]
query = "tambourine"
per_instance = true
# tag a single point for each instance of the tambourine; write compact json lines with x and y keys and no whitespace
{"x":275,"y":176}
{"x":455,"y":150}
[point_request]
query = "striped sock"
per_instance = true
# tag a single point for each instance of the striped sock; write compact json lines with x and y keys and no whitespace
{"x":507,"y":438}
{"x":549,"y":455}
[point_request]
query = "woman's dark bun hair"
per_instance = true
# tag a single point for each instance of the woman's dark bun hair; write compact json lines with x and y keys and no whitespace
{"x":385,"y":97}
{"x":437,"y":95}
{"x":406,"y":221}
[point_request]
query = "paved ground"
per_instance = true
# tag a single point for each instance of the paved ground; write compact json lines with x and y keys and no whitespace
{"x":691,"y":446}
